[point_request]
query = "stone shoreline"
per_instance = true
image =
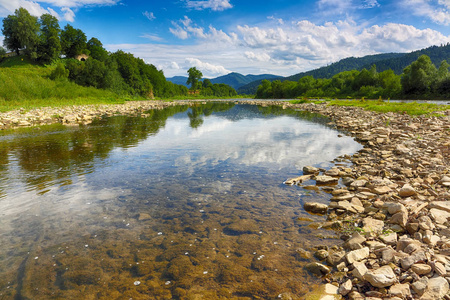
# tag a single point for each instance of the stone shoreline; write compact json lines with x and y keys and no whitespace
{"x":393,"y":206}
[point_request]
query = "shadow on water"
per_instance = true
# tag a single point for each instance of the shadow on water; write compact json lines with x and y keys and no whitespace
{"x":179,"y":203}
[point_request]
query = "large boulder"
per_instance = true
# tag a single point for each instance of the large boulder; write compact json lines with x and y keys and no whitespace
{"x":382,"y":277}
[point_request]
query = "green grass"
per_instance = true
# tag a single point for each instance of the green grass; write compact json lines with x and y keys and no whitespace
{"x":24,"y":85}
{"x":412,"y":108}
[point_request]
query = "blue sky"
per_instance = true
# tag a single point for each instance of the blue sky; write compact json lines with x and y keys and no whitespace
{"x":282,"y":37}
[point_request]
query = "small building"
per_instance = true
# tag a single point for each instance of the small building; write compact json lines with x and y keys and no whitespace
{"x":81,"y":57}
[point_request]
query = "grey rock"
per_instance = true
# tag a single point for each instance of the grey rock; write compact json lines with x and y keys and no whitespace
{"x":440,"y":216}
{"x":355,"y":242}
{"x":336,"y":258}
{"x":436,"y":289}
{"x":372,"y":225}
{"x":310,"y":170}
{"x":420,"y":285}
{"x":417,"y":256}
{"x":359,"y":270}
{"x":324,"y":179}
{"x":345,"y":287}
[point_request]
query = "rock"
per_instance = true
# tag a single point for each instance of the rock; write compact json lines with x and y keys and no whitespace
{"x":332,"y":172}
{"x":382,"y":277}
{"x":336,"y":258}
{"x":324,"y":179}
{"x":359,"y":270}
{"x":324,"y":292}
{"x":298,"y":180}
{"x":317,"y":268}
{"x":355,"y":242}
{"x":400,"y":218}
{"x":440,"y":216}
{"x":402,"y":291}
{"x":354,"y":295}
{"x":345,"y":287}
{"x":436,"y":289}
{"x":381,"y":190}
{"x":420,"y":286}
{"x":372,"y":225}
{"x":310,"y":170}
{"x":394,"y":207}
{"x":439,"y":268}
{"x":390,"y":238}
{"x":425,"y":223}
{"x":421,"y":269}
{"x":407,"y":191}
{"x":357,"y":255}
{"x":321,"y":254}
{"x":144,"y":217}
{"x":315,"y":208}
{"x":358,"y":183}
{"x":442,"y":205}
{"x":417,"y":256}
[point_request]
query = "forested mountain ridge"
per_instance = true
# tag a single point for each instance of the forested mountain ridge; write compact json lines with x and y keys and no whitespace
{"x":395,"y":61}
{"x":235,"y":80}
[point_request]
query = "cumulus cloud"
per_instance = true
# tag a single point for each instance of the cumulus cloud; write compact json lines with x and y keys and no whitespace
{"x":204,"y":66}
{"x":436,"y":12}
{"x":186,"y":28}
{"x":69,"y":15}
{"x":215,"y":5}
{"x":149,"y":15}
{"x":257,"y":56}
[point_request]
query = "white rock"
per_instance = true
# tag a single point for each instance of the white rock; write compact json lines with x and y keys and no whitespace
{"x":359,"y":270}
{"x":440,"y":216}
{"x":436,"y":289}
{"x":421,"y":269}
{"x":357,"y":255}
{"x":346,"y":287}
{"x":407,"y":191}
{"x":382,"y":277}
{"x":372,"y":225}
{"x":400,"y":290}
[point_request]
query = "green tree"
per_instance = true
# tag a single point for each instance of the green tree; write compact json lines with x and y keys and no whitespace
{"x":193,"y":78}
{"x":419,"y":77}
{"x":207,"y":83}
{"x":49,"y":47}
{"x":2,"y":52}
{"x":73,"y":41}
{"x":21,"y":32}
{"x":96,"y":49}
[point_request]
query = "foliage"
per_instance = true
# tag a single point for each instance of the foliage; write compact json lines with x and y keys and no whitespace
{"x":73,"y":41}
{"x":193,"y":78}
{"x":96,"y":49}
{"x":21,"y":32}
{"x":59,"y":73}
{"x":49,"y":47}
{"x":2,"y":52}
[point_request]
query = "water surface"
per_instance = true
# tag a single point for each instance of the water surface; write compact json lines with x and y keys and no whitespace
{"x":179,"y":203}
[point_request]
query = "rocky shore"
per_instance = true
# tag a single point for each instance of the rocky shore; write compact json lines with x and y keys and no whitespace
{"x":392,"y":208}
{"x":390,"y":202}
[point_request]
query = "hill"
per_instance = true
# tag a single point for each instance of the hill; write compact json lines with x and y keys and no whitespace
{"x":235,"y":80}
{"x":395,"y":61}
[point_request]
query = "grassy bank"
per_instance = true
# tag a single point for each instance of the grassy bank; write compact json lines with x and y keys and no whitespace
{"x":412,"y":108}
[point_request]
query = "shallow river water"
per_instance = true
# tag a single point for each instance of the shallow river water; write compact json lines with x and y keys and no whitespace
{"x":180,"y":203}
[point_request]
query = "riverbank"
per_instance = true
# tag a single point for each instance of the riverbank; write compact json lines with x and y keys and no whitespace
{"x":391,"y":206}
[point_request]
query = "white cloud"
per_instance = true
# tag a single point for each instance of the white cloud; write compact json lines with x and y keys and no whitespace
{"x":69,"y":15}
{"x":437,"y":13}
{"x":152,"y":37}
{"x":215,"y":70}
{"x":279,"y":20}
{"x":257,"y":56}
{"x":149,"y":15}
{"x":215,"y":5}
{"x":35,"y":8}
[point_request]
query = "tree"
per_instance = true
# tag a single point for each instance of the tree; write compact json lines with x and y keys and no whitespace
{"x":49,"y":45}
{"x":418,"y":78}
{"x":21,"y":32}
{"x":2,"y":52}
{"x":73,"y":41}
{"x":96,"y":49}
{"x":194,"y":76}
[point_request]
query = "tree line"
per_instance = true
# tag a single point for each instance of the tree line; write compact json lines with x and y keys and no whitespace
{"x":420,"y":80}
{"x":206,"y":87}
{"x":42,"y":40}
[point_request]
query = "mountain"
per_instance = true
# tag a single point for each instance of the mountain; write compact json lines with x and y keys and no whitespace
{"x":178,"y":80}
{"x":395,"y":61}
{"x":234,"y":80}
{"x":237,"y":80}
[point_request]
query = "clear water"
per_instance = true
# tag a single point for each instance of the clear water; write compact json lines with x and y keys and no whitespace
{"x":181,"y":203}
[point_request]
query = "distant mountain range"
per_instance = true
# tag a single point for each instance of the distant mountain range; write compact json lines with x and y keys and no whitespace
{"x":234,"y":80}
{"x":248,"y":84}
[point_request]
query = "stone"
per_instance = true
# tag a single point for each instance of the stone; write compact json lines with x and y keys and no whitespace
{"x":439,"y":269}
{"x":321,"y":254}
{"x":358,"y":183}
{"x":402,"y":291}
{"x":420,"y":285}
{"x":417,"y":256}
{"x":382,"y":277}
{"x":436,"y":289}
{"x":310,"y":170}
{"x":298,"y":180}
{"x":336,"y":258}
{"x":440,"y":216}
{"x":144,"y":217}
{"x":354,"y":295}
{"x":317,"y":268}
{"x":394,"y":207}
{"x":381,"y":190}
{"x":315,"y":208}
{"x":324,"y":292}
{"x":387,"y":256}
{"x":372,"y":225}
{"x":345,"y":287}
{"x":400,"y":218}
{"x":407,"y":191}
{"x":355,"y":242}
{"x":357,"y":255}
{"x":359,"y":270}
{"x":425,"y":223}
{"x":442,"y":205}
{"x":332,"y":172}
{"x":421,"y":269}
{"x":324,"y":179}
{"x":390,"y":238}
